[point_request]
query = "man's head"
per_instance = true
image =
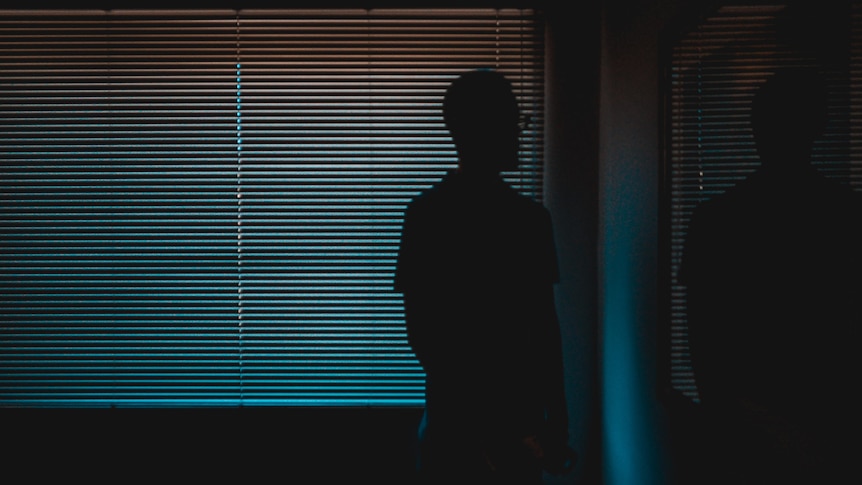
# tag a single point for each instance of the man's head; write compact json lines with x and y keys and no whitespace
{"x":481,"y":112}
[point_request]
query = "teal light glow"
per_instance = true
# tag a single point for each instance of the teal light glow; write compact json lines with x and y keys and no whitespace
{"x":621,"y":399}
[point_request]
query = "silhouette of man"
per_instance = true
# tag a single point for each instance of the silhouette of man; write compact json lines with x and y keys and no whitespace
{"x":477,"y":266}
{"x":772,"y":270}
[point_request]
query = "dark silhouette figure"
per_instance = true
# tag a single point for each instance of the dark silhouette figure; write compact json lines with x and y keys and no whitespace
{"x":477,"y":266}
{"x":772,"y":269}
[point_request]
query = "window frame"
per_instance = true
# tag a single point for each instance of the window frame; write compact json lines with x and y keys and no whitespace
{"x":263,"y":401}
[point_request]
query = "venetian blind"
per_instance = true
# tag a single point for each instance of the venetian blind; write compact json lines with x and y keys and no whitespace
{"x":203,"y":208}
{"x":712,"y":72}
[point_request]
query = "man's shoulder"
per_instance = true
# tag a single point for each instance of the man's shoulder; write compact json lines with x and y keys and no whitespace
{"x":430,"y":199}
{"x":452,"y":194}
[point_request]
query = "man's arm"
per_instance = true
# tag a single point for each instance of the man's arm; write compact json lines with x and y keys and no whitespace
{"x":557,"y":456}
{"x":419,"y":318}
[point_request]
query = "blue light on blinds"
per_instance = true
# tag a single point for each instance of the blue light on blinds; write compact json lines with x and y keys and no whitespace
{"x":203,"y":207}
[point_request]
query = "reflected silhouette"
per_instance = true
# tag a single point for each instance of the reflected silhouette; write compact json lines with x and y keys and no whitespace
{"x":477,"y":266}
{"x":772,"y":270}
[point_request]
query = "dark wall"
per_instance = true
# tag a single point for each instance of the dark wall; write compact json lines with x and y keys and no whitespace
{"x":572,"y":73}
{"x":637,"y":445}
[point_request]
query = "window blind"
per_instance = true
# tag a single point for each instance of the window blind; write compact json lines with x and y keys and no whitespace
{"x":203,"y":207}
{"x":712,"y":71}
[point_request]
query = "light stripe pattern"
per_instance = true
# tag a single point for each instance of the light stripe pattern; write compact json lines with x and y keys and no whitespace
{"x":203,"y":208}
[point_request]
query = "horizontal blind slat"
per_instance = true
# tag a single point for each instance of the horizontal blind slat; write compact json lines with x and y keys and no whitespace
{"x":204,"y":207}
